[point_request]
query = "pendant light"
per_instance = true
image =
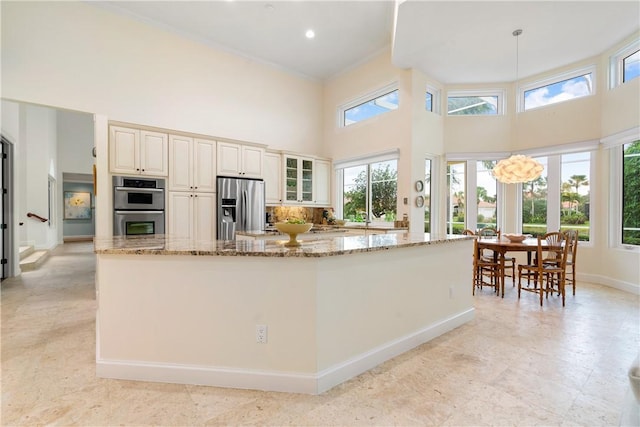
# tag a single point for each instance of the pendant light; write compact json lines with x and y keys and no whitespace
{"x":517,"y":168}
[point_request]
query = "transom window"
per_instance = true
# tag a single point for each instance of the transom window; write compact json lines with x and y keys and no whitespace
{"x":432,"y":99}
{"x":559,"y":89}
{"x":631,"y":66}
{"x":473,"y":104}
{"x":624,"y":65}
{"x":368,"y":106}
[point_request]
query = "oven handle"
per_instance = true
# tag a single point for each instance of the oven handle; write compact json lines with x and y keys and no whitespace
{"x":138,"y":190}
{"x":139,"y":212}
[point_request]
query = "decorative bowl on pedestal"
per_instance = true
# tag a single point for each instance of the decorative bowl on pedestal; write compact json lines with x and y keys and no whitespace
{"x":515,"y":238}
{"x":293,"y":230}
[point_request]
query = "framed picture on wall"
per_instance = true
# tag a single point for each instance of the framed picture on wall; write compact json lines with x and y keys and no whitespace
{"x":77,"y":205}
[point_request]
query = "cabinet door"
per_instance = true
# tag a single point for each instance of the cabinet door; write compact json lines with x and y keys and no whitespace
{"x":180,"y":163}
{"x":305,"y":182}
{"x":204,"y":165}
{"x":273,"y":178}
{"x":291,"y":179}
{"x":252,"y":161}
{"x":124,"y":150}
{"x":204,"y":216}
{"x":322,"y":183}
{"x":154,"y":153}
{"x":180,"y":214}
{"x":229,"y":156}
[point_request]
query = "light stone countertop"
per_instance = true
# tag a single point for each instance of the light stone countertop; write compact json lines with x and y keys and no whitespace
{"x":160,"y":244}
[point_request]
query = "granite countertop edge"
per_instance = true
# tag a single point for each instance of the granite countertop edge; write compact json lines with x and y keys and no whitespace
{"x":335,"y":246}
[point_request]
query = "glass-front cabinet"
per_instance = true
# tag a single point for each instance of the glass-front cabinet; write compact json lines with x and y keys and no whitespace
{"x":299,"y":180}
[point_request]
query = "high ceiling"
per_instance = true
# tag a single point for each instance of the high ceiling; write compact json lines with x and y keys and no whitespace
{"x":451,"y":41}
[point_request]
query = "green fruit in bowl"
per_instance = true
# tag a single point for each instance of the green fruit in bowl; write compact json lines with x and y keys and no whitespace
{"x":296,"y":221}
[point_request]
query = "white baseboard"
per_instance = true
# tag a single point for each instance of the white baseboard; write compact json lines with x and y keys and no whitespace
{"x":314,"y":383}
{"x":632,"y":288}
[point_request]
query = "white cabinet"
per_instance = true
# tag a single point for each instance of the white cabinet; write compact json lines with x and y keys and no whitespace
{"x":192,"y":186}
{"x":298,"y":177}
{"x":322,"y":183}
{"x":192,"y":215}
{"x":192,"y":164}
{"x":307,"y":181}
{"x":272,"y":175}
{"x":240,"y":160}
{"x":138,"y":152}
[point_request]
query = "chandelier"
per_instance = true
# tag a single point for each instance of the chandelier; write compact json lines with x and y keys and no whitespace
{"x":517,"y":168}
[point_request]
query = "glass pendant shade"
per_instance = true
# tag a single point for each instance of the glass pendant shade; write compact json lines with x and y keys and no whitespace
{"x":517,"y":168}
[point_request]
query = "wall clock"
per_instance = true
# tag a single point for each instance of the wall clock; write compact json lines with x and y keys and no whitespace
{"x":419,"y":201}
{"x":419,"y":185}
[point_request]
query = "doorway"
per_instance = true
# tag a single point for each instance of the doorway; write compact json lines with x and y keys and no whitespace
{"x":6,"y":209}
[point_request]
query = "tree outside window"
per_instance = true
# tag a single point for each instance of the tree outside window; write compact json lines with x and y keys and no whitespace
{"x":370,"y":192}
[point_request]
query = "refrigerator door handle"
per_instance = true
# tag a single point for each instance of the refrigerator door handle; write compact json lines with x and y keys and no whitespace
{"x":244,"y":210}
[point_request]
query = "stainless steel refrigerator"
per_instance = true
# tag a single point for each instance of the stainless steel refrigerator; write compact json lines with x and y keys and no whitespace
{"x":241,"y":206}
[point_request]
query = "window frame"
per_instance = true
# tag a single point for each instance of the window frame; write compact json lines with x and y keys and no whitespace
{"x":436,"y":98}
{"x":367,"y":160}
{"x":615,"y":145}
{"x":477,"y":93}
{"x":557,"y":78}
{"x":616,"y":63}
{"x":369,"y":96}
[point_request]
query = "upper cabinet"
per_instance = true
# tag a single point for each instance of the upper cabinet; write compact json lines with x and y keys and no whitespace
{"x":138,"y":152}
{"x":298,"y":176}
{"x":245,"y":161}
{"x":322,"y":182}
{"x":192,"y":164}
{"x":272,"y":178}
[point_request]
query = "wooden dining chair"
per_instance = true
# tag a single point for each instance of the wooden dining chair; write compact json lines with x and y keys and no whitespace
{"x":570,"y":267}
{"x":468,"y":232}
{"x":486,"y":272}
{"x":548,"y":276}
{"x":509,"y":262}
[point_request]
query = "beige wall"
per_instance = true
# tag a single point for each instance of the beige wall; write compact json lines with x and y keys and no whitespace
{"x":132,"y":72}
{"x":581,"y":120}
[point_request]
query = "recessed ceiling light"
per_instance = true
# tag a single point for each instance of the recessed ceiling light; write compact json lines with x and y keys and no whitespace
{"x":310,"y":34}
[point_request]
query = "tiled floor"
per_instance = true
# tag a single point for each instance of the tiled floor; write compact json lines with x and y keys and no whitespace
{"x":515,"y":364}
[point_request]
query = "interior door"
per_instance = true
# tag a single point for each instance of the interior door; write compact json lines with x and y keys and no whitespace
{"x":6,"y":219}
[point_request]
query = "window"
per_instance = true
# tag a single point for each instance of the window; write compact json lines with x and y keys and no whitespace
{"x":561,"y":197}
{"x":575,"y":194}
{"x":631,"y":66}
{"x":432,"y":99}
{"x":427,"y":196}
{"x":534,"y":203}
{"x":369,"y":192}
{"x":428,"y":101}
{"x":473,"y":104}
{"x":486,"y":195}
{"x":456,"y":184}
{"x":624,"y":65}
{"x":631,"y":194}
{"x":371,"y":105}
{"x":558,"y":89}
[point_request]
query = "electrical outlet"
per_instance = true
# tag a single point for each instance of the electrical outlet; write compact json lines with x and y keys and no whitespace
{"x":261,"y":334}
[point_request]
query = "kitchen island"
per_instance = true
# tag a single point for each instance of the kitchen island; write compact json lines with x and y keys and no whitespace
{"x":184,"y":311}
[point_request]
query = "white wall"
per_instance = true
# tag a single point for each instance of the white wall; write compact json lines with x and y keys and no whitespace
{"x":79,"y":57}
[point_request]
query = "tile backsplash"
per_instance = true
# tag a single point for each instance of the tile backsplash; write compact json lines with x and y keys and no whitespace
{"x":283,"y":213}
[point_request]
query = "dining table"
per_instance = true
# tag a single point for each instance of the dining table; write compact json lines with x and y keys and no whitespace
{"x":501,"y":245}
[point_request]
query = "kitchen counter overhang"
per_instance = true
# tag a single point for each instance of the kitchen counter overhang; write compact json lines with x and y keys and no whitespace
{"x":179,"y":311}
{"x":167,"y":245}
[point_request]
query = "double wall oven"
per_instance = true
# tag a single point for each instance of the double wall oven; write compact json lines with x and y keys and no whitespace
{"x":138,"y":206}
